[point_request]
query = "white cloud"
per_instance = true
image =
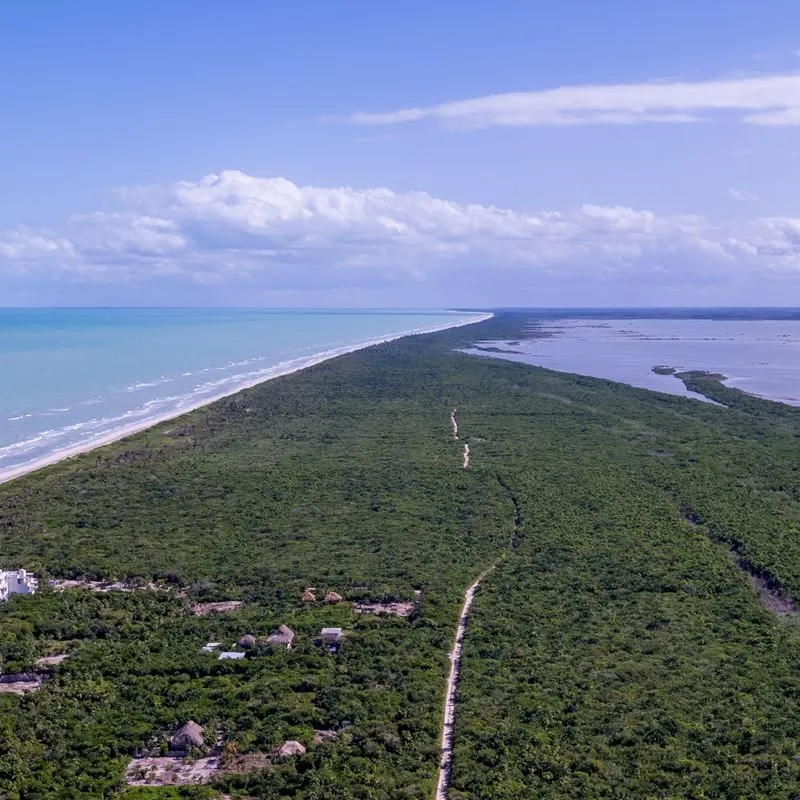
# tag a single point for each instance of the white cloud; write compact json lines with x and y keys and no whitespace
{"x":744,"y":197}
{"x":759,"y":100}
{"x":25,"y":245}
{"x":778,"y":117}
{"x":270,"y":235}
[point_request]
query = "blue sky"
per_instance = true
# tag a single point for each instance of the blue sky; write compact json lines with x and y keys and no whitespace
{"x":400,"y":153}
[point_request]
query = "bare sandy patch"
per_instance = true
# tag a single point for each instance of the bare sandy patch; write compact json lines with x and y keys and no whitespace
{"x":171,"y":771}
{"x":51,"y":661}
{"x":102,"y":587}
{"x":223,"y":607}
{"x":403,"y":609}
{"x":20,"y":687}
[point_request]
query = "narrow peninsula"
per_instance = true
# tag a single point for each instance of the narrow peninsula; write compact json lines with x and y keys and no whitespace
{"x":260,"y":599}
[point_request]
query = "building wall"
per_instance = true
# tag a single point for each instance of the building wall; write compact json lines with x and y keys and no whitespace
{"x":16,"y":582}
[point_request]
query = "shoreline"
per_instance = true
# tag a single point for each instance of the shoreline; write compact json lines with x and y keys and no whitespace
{"x":57,"y":456}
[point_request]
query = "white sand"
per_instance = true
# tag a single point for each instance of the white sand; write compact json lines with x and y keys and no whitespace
{"x":121,"y":433}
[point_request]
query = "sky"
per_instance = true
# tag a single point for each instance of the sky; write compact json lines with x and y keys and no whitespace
{"x":400,"y":154}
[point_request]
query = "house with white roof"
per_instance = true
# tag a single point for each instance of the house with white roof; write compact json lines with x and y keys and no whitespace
{"x":331,"y":638}
{"x":16,"y":581}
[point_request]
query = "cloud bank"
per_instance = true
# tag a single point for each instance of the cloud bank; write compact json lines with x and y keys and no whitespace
{"x":763,"y":100}
{"x":236,"y":238}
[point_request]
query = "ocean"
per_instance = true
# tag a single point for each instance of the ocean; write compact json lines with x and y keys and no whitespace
{"x":758,"y":356}
{"x":76,"y":378}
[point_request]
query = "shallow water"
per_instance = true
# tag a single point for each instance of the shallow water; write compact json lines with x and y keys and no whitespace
{"x":761,"y":357}
{"x":71,"y":377}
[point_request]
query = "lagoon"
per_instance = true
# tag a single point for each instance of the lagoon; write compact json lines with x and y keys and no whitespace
{"x":758,"y":356}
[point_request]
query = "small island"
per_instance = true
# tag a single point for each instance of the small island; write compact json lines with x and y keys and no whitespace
{"x":494,"y":349}
{"x":699,"y":374}
{"x":660,"y":369}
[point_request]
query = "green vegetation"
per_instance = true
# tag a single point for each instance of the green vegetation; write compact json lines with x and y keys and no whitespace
{"x":618,"y":650}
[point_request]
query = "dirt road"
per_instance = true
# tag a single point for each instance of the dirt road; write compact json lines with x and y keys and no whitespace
{"x":452,"y":684}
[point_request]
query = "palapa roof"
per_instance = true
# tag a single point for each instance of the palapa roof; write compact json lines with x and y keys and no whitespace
{"x":290,"y":748}
{"x":333,"y":597}
{"x":190,"y":734}
{"x":309,"y":596}
{"x":247,"y":641}
{"x":285,"y":635}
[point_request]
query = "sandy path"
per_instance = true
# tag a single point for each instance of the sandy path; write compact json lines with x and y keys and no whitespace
{"x":455,"y":424}
{"x":452,"y":684}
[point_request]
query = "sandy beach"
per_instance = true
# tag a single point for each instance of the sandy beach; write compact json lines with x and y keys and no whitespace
{"x":124,"y":431}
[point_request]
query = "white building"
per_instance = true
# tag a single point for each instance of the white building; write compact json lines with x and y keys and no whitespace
{"x":331,"y":635}
{"x":16,"y":581}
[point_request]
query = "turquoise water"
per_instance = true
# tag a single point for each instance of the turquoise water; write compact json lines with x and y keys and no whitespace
{"x":75,"y":377}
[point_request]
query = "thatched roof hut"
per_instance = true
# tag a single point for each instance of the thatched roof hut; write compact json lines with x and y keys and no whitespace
{"x":333,"y":597}
{"x":284,"y":636}
{"x":190,"y":734}
{"x":247,"y":641}
{"x":290,"y":749}
{"x":309,"y":596}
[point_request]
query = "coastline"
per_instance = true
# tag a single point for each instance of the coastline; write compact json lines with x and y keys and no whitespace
{"x":63,"y":454}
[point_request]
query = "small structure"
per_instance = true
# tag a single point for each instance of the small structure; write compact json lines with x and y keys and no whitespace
{"x":248,"y":641}
{"x":284,"y":637}
{"x":333,"y":597}
{"x":230,"y":655}
{"x":309,"y":596}
{"x":290,"y":749}
{"x":16,"y":581}
{"x":210,"y":647}
{"x":189,"y":735}
{"x":331,"y":635}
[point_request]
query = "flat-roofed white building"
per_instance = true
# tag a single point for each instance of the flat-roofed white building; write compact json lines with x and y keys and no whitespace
{"x":16,"y":581}
{"x":331,"y":635}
